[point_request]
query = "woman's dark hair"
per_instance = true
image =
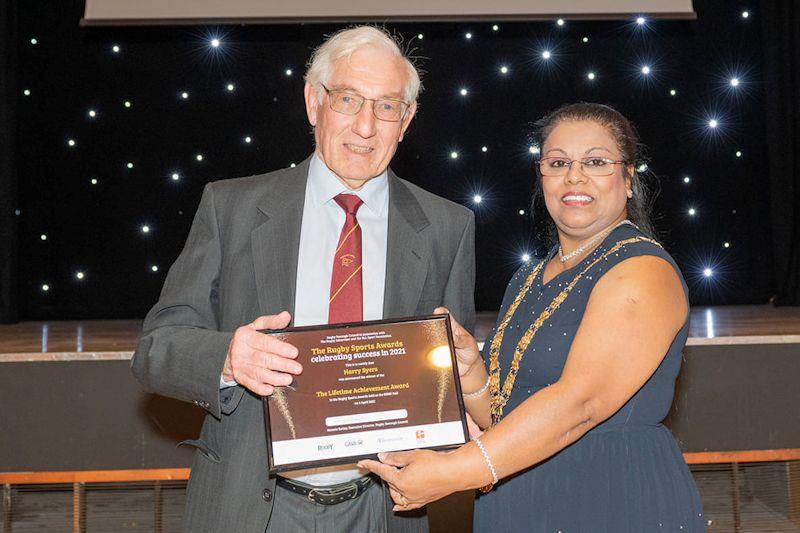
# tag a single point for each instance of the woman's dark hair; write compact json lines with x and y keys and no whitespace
{"x":639,"y":206}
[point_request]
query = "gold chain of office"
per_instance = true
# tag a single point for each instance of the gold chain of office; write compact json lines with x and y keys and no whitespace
{"x":499,"y":398}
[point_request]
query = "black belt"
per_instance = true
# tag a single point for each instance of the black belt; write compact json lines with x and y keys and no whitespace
{"x":328,"y":495}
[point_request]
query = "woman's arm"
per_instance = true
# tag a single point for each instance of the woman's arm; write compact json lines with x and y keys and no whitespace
{"x":632,"y":317}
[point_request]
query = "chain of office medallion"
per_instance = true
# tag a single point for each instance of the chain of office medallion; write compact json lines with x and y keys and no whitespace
{"x":500,"y":398}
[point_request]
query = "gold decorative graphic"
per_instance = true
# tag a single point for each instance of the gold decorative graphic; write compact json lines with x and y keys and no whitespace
{"x":282,"y":403}
{"x":347,"y":260}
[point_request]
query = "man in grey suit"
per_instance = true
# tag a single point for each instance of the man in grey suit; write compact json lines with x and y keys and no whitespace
{"x":260,"y":254}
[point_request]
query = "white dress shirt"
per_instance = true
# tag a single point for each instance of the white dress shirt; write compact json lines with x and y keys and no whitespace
{"x":319,"y":236}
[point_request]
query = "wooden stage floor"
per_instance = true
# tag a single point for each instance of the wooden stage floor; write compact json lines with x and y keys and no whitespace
{"x":116,"y":339}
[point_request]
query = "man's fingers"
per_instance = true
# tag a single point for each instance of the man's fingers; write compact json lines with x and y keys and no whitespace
{"x":279,"y":321}
{"x":265,"y":343}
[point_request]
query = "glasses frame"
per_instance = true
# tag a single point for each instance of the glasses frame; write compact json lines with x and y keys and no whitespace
{"x":581,"y":162}
{"x":363,"y":100}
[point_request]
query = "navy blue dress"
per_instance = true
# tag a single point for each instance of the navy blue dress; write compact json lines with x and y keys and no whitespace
{"x":626,"y":474}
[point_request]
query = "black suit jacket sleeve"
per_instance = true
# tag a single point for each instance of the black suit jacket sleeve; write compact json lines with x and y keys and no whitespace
{"x":181,"y":352}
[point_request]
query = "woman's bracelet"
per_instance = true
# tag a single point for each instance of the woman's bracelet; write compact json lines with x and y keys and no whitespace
{"x":486,"y":458}
{"x":479,"y":391}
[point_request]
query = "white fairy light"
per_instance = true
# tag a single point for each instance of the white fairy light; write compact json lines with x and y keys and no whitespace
{"x":288,"y":72}
{"x":477,"y":199}
{"x":521,"y":211}
{"x":43,"y":237}
{"x":184,"y":95}
{"x":738,"y":153}
{"x":34,"y":41}
{"x":468,"y":35}
{"x":640,"y":21}
{"x":71,"y":142}
{"x":713,"y":123}
{"x":126,"y":103}
{"x":248,"y":139}
{"x":115,"y":48}
{"x":646,"y":70}
{"x":145,"y":229}
{"x":420,"y":36}
{"x":526,"y":257}
{"x":734,"y":82}
{"x":707,"y":272}
{"x":93,"y":181}
{"x":454,"y":155}
{"x":154,"y":268}
{"x":534,"y":149}
{"x":745,"y":14}
{"x":591,"y":76}
{"x":463,"y":91}
{"x":80,"y":275}
{"x":92,"y":113}
{"x":292,"y":165}
{"x":692,"y":211}
{"x":495,"y":27}
{"x":484,"y":149}
{"x":215,"y":43}
{"x":560,"y":22}
{"x":673,"y":92}
{"x":585,"y":39}
{"x":199,"y":157}
{"x":546,"y":54}
{"x":129,"y":165}
{"x":687,"y":179}
{"x":504,"y":70}
{"x":230,"y":87}
{"x":175,"y":176}
{"x":45,"y":287}
{"x":726,"y":244}
{"x":26,"y":92}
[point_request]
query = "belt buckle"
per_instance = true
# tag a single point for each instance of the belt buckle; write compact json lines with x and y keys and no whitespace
{"x":311,"y":494}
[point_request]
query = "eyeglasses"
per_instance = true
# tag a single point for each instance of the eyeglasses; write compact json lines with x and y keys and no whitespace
{"x":591,"y":166}
{"x":350,"y":103}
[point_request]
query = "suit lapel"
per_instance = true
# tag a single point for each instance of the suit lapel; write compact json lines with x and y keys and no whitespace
{"x":275,"y":241}
{"x":407,"y":251}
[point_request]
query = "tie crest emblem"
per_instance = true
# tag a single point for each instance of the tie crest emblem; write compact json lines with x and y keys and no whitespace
{"x":347,"y":260}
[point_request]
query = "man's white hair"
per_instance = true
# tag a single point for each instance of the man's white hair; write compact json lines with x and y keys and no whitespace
{"x":344,"y":43}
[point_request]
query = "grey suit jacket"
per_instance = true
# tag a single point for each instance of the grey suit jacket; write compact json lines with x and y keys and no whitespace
{"x":240,"y":262}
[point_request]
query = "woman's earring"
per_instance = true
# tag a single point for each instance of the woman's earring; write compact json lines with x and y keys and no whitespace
{"x":630,"y":193}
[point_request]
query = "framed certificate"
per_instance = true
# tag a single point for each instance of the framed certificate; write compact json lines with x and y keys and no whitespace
{"x":366,"y":387}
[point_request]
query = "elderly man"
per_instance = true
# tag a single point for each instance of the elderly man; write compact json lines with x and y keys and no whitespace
{"x":262,"y":253}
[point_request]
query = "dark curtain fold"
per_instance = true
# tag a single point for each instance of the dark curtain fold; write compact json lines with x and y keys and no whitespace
{"x":781,"y":30}
{"x":8,"y":174}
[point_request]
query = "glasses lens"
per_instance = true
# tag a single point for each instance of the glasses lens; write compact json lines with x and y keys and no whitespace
{"x":597,"y":166}
{"x":554,"y":166}
{"x":390,"y":110}
{"x":346,"y":103}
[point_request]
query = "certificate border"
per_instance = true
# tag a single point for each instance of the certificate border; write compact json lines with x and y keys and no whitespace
{"x":355,"y":458}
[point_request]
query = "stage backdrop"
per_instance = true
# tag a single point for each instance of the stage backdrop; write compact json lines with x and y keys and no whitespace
{"x":119,"y":129}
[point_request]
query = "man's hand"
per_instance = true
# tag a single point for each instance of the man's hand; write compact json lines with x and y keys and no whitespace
{"x":260,"y":362}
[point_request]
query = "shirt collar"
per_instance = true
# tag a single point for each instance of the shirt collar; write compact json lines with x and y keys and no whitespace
{"x":324,"y":186}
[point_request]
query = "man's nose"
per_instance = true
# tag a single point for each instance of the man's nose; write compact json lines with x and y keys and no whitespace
{"x":365,"y":122}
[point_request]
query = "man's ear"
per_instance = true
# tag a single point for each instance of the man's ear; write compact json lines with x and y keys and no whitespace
{"x":412,"y":110}
{"x":312,"y":104}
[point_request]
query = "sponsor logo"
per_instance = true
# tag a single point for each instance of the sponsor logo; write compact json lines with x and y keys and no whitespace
{"x":349,"y":443}
{"x":381,"y":440}
{"x":420,"y":434}
{"x":325,"y":447}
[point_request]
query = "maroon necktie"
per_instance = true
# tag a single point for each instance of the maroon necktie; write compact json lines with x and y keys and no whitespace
{"x":345,"y":304}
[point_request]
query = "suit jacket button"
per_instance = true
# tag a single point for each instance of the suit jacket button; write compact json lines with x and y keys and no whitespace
{"x":266,"y":495}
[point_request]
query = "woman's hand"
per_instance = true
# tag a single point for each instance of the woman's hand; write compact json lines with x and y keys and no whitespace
{"x":467,"y":353}
{"x":415,"y":478}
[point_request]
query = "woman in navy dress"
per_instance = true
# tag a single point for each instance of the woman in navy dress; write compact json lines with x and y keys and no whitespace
{"x":580,"y":369}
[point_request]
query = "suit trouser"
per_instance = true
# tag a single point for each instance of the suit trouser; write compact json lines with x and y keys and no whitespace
{"x":370,"y":513}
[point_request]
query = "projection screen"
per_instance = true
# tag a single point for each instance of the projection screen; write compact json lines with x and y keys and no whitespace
{"x":135,"y":12}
